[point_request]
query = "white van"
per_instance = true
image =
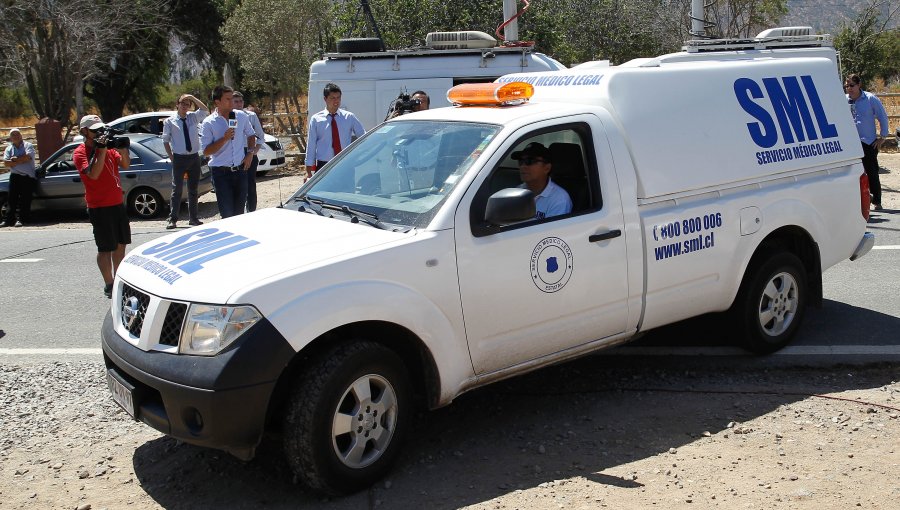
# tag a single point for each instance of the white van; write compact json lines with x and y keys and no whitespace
{"x":413,"y":268}
{"x":371,"y":80}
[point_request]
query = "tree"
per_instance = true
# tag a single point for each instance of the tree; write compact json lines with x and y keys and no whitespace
{"x":275,"y":41}
{"x":867,"y":47}
{"x":53,"y":47}
{"x":142,"y":63}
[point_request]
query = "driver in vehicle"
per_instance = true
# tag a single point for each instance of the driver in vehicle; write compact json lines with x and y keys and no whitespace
{"x":535,"y":165}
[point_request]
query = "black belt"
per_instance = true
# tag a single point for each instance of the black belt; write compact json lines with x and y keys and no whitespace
{"x":229,"y":168}
{"x":193,"y":154}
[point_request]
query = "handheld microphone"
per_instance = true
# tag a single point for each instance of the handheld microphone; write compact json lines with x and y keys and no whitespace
{"x":232,"y":122}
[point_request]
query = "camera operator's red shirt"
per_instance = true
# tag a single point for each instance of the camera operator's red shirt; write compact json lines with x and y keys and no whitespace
{"x":106,"y":190}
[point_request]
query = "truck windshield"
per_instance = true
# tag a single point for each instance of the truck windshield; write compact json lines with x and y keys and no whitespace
{"x":399,"y":173}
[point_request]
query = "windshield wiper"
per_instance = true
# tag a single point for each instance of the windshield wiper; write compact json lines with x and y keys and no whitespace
{"x":314,"y":204}
{"x":356,"y":215}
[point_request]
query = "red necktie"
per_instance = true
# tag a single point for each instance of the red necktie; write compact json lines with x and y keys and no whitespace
{"x":335,"y":137}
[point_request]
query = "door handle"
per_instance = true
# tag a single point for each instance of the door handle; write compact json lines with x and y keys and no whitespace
{"x":604,"y":236}
{"x":131,"y":176}
{"x":76,"y":179}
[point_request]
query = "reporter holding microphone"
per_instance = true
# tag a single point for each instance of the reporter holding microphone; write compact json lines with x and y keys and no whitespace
{"x":229,"y":140}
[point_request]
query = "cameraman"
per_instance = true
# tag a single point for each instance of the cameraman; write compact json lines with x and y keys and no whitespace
{"x":99,"y":169}
{"x":417,"y":102}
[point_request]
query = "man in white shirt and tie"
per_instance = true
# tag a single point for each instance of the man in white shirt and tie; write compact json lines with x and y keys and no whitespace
{"x":181,"y":138}
{"x":321,"y":142}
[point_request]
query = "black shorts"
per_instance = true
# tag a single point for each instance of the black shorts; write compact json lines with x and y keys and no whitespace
{"x":111,"y":227}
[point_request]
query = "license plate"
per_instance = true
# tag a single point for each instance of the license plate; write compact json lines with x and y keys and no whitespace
{"x":279,"y":154}
{"x":121,"y":392}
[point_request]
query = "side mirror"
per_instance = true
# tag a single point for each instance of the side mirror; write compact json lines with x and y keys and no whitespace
{"x":509,"y":205}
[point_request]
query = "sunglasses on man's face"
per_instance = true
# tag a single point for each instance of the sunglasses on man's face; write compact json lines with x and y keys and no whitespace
{"x":528,"y":160}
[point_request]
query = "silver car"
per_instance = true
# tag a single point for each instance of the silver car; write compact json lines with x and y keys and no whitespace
{"x":147,"y":184}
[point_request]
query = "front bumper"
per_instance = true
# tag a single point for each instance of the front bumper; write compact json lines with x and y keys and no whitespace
{"x":865,"y":244}
{"x":217,"y":401}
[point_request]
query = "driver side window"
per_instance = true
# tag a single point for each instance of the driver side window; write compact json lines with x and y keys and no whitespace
{"x":63,"y":163}
{"x":555,"y":165}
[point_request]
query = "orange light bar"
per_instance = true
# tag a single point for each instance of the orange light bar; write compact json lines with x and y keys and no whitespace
{"x":467,"y":94}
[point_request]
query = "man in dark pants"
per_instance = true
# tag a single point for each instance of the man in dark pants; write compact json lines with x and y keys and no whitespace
{"x":228,"y":139}
{"x":99,"y":170}
{"x":19,"y":159}
{"x":865,"y":108}
{"x":181,"y":138}
{"x":238,"y":99}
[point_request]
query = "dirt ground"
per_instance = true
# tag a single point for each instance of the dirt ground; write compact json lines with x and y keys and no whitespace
{"x":592,"y":434}
{"x":600,"y":432}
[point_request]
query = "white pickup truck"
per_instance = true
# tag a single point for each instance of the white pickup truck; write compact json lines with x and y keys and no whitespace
{"x":412,"y":268}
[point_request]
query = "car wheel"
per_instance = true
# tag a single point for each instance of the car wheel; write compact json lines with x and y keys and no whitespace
{"x":4,"y":207}
{"x":261,"y":173}
{"x":347,"y":416}
{"x":771,"y":302}
{"x":145,"y":203}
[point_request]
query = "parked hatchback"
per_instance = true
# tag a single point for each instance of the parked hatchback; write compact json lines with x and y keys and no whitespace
{"x":147,"y":184}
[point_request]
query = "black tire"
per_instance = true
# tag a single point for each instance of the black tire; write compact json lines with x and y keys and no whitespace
{"x":326,"y":396}
{"x":145,"y":203}
{"x":771,"y":302}
{"x":261,"y":173}
{"x":4,"y":207}
{"x":360,"y":45}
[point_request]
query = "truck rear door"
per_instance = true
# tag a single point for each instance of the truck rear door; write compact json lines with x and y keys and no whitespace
{"x":545,"y":285}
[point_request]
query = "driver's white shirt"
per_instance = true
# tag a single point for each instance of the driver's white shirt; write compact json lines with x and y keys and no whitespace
{"x":553,"y":201}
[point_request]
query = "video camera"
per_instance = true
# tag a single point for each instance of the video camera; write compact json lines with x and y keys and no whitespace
{"x":402,"y":105}
{"x":111,"y":138}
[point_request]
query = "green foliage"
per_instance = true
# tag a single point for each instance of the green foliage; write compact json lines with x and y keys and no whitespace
{"x":13,"y":103}
{"x":274,"y":41}
{"x":200,"y":86}
{"x":867,"y":48}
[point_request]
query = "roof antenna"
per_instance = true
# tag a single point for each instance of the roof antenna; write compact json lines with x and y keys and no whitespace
{"x":510,"y":27}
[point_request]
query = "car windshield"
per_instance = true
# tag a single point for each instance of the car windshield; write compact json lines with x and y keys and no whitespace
{"x":155,"y":144}
{"x":398,"y":174}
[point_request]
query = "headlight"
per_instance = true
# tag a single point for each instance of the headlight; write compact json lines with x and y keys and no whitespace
{"x":209,"y":329}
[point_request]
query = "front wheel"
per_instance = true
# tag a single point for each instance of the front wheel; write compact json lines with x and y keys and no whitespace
{"x":771,"y":302}
{"x":145,"y":203}
{"x":347,"y":417}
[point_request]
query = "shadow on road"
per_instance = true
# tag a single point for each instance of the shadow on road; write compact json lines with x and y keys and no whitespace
{"x":573,"y":420}
{"x":834,"y":324}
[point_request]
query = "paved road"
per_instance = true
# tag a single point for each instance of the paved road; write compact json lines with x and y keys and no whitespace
{"x":52,"y":299}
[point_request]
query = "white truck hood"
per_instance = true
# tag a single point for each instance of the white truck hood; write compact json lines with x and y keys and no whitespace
{"x":209,"y":263}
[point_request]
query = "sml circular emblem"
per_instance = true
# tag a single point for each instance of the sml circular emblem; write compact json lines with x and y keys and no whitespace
{"x":551,"y":264}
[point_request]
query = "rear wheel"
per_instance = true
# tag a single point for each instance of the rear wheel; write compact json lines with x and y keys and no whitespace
{"x":771,"y":303}
{"x":145,"y":203}
{"x":347,"y":417}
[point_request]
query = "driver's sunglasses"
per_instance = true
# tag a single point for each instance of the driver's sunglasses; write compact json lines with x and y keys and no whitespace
{"x":527,"y":160}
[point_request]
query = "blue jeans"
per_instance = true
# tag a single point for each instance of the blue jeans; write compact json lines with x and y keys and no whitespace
{"x":231,"y":189}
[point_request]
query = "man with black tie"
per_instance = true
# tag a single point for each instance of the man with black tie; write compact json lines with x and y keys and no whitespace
{"x":181,"y":137}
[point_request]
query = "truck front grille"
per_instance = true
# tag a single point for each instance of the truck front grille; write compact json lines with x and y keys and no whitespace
{"x":171,"y":329}
{"x":134,"y":323}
